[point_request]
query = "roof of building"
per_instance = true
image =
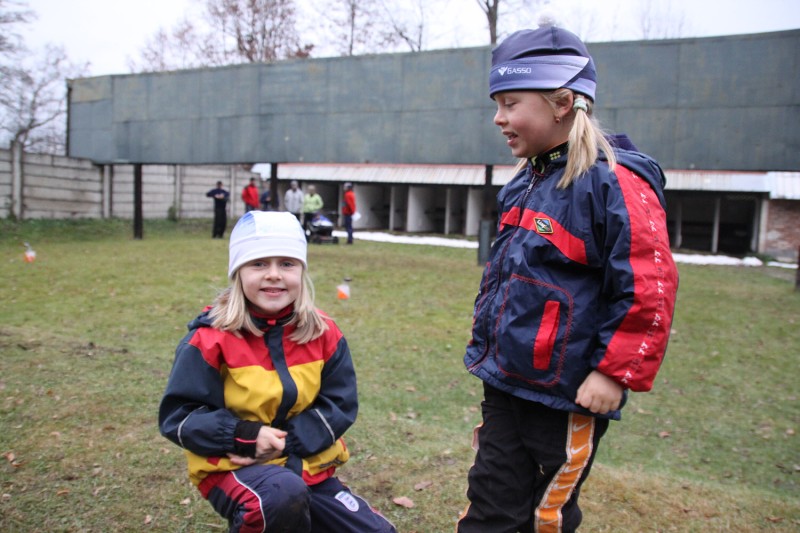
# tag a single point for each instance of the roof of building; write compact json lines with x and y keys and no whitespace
{"x":469,"y":175}
{"x":777,"y":185}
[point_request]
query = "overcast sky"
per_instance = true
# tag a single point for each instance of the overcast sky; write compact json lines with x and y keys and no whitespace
{"x":107,"y":33}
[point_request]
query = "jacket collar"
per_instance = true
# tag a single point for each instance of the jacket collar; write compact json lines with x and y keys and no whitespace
{"x":540,"y":162}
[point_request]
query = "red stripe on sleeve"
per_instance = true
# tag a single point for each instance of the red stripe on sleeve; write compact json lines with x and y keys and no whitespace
{"x":635,"y":352}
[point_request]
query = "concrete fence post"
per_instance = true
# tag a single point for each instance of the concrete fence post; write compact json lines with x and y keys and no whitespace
{"x":797,"y":274}
{"x":16,"y":180}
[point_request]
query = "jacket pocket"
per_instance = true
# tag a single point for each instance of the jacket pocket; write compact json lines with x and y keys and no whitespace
{"x":546,"y":336}
{"x":532,"y":331}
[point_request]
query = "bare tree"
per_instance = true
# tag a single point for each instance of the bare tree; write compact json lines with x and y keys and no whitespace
{"x":491,"y":8}
{"x":354,"y":27}
{"x":231,"y":31}
{"x":657,"y":20}
{"x":32,"y":91}
{"x":177,"y":49}
{"x":12,"y":15}
{"x":407,"y":25}
{"x":33,"y":101}
{"x":519,"y":12}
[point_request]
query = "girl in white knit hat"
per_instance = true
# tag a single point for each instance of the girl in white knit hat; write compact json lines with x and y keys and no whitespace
{"x":262,"y":390}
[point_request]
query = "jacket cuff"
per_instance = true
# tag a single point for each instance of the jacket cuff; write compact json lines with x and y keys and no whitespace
{"x":244,"y":438}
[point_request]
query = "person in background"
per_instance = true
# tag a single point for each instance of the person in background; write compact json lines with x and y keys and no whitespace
{"x":293,"y":200}
{"x":250,"y":196}
{"x":261,"y":391}
{"x":348,"y":210}
{"x":576,"y":301}
{"x":312,"y":204}
{"x":264,"y":199}
{"x":220,"y":197}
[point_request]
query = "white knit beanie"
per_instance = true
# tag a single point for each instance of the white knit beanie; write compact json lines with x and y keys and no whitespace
{"x":266,"y":234}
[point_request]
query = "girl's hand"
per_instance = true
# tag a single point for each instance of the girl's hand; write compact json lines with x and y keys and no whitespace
{"x":269,"y":445}
{"x":599,"y":393}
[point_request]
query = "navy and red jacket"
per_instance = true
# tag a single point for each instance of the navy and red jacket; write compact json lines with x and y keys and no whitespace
{"x":578,"y":279}
{"x":223,"y":387}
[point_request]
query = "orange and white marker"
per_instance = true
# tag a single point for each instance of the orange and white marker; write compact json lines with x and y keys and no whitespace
{"x":30,"y":254}
{"x":343,"y":290}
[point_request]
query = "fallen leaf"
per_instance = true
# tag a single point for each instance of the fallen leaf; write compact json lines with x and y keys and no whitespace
{"x":186,"y":501}
{"x":411,"y":388}
{"x":403,"y":501}
{"x":10,"y":457}
{"x":422,"y":485}
{"x":148,"y":519}
{"x":62,"y":492}
{"x":774,"y":519}
{"x":663,"y":434}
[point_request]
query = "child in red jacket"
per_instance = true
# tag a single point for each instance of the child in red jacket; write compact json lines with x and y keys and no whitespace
{"x":262,"y":390}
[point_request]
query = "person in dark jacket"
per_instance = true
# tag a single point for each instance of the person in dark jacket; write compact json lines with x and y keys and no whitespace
{"x":261,"y":391}
{"x":220,"y":197}
{"x":576,"y":300}
{"x":264,"y":199}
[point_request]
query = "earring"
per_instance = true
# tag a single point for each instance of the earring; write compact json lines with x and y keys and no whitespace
{"x":558,"y":120}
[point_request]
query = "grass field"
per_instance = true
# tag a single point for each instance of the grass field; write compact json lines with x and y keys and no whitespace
{"x":87,"y":334}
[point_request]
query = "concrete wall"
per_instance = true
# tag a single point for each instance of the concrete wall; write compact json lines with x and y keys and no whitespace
{"x":699,"y":103}
{"x":47,"y":186}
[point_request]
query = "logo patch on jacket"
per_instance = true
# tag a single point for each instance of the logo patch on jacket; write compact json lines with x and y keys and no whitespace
{"x":543,"y":225}
{"x":348,"y":500}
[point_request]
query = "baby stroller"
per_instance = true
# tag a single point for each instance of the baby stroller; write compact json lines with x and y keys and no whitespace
{"x":320,"y":230}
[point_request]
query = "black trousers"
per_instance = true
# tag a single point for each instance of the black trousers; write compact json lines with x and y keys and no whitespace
{"x":529,"y":467}
{"x":220,"y":221}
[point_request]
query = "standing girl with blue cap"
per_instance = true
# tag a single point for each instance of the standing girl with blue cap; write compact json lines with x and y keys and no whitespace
{"x":262,"y":390}
{"x":576,"y":301}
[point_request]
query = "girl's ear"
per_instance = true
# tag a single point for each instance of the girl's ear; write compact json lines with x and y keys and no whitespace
{"x":563,"y":103}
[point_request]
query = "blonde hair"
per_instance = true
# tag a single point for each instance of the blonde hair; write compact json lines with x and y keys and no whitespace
{"x":230,"y":312}
{"x":586,"y":139}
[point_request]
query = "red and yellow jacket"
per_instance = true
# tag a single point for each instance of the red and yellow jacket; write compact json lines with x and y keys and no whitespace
{"x":221,"y":383}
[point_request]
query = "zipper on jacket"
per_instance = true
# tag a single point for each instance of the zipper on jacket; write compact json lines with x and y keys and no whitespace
{"x":534,"y":181}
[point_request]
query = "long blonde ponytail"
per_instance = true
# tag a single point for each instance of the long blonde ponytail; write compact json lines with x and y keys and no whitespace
{"x":586,"y":139}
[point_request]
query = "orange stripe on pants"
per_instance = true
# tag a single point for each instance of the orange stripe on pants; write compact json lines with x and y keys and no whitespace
{"x":547,"y":515}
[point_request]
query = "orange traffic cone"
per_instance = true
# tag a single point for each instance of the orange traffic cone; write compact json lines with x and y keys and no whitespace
{"x":343,"y":290}
{"x":30,"y":254}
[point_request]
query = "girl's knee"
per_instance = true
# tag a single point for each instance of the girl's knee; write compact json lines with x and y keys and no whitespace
{"x":285,"y":500}
{"x":265,"y":498}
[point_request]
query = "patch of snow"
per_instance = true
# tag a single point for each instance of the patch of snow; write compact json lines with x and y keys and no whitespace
{"x":692,"y":259}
